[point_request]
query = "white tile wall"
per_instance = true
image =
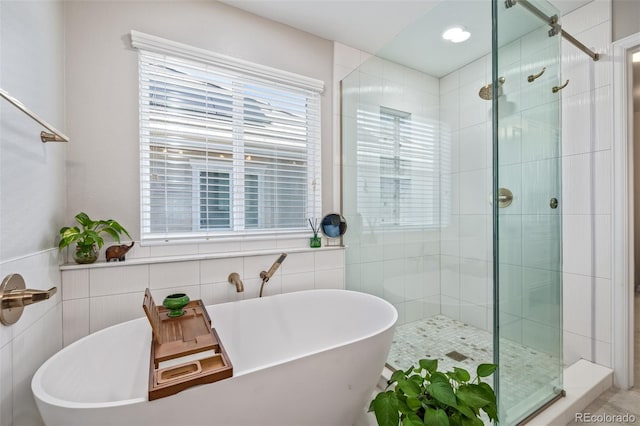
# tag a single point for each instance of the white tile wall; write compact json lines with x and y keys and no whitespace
{"x":402,"y":267}
{"x":6,"y":385}
{"x":33,"y":339}
{"x":466,"y":241}
{"x":98,"y":297}
{"x":587,"y":187}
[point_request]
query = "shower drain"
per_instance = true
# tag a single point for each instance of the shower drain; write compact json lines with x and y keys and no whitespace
{"x":456,"y":356}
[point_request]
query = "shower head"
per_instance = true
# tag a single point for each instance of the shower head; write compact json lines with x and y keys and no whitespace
{"x":486,"y":91}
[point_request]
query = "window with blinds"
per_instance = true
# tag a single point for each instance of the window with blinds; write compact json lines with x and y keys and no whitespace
{"x":398,"y":169}
{"x":224,"y":152}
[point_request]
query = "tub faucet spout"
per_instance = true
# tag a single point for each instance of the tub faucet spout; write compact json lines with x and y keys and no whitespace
{"x":234,"y":278}
{"x":266,"y":275}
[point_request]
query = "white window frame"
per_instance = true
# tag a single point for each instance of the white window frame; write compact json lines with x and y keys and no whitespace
{"x":150,"y":43}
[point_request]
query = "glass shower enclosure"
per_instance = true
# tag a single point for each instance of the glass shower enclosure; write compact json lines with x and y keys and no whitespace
{"x":451,"y":188}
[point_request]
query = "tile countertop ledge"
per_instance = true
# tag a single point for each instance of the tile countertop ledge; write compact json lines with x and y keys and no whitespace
{"x":190,"y":257}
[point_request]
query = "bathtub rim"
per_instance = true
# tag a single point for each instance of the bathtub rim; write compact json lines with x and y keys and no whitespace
{"x":40,"y":395}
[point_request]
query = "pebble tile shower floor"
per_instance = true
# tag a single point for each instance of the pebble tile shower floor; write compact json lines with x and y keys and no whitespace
{"x":524,"y":369}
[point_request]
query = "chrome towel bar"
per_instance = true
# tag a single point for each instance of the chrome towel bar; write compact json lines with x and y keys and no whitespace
{"x":54,"y":136}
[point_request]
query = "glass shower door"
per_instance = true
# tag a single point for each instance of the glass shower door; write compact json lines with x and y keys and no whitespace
{"x":527,"y":167}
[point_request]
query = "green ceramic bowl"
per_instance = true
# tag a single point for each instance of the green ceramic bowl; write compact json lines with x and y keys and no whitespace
{"x":175,"y":302}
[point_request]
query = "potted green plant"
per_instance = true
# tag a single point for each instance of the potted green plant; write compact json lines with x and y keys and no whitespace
{"x":425,"y":396}
{"x":88,"y":239}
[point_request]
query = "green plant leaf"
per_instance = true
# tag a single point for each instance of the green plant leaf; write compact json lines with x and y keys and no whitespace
{"x":443,"y":393}
{"x":385,"y":406}
{"x":92,"y":237}
{"x":118,"y":228}
{"x":112,"y":232}
{"x":485,"y":370}
{"x":492,"y":408}
{"x":461,"y":374}
{"x":412,"y":419}
{"x":466,"y":421}
{"x":488,"y":391}
{"x":431,"y":365}
{"x":435,"y":417}
{"x":409,"y":387}
{"x":402,"y":404}
{"x":439,"y":377}
{"x":466,"y":411}
{"x":473,"y":396}
{"x":492,"y":411}
{"x":417,"y":378}
{"x":414,"y":403}
{"x":83,"y":219}
{"x":398,"y":374}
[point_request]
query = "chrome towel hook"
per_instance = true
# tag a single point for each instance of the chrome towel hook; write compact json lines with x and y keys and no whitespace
{"x":556,"y":89}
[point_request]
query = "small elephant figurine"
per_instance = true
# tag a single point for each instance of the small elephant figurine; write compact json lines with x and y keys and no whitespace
{"x":118,"y":252}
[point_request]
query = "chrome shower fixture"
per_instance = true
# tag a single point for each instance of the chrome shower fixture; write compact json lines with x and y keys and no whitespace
{"x":486,"y":92}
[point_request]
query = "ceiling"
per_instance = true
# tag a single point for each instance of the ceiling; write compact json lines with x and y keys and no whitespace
{"x":404,"y":31}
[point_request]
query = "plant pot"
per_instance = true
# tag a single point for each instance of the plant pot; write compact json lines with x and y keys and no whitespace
{"x":85,"y":254}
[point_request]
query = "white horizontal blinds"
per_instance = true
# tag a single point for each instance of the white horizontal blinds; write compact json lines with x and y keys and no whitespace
{"x":223,"y":153}
{"x":279,"y":125}
{"x":398,"y":169}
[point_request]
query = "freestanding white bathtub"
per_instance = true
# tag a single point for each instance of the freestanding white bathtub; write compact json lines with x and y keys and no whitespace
{"x":306,"y":358}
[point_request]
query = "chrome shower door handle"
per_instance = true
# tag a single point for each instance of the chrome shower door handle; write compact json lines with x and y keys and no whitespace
{"x":505,"y":197}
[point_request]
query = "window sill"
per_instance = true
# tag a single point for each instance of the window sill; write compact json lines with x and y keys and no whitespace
{"x":191,"y":257}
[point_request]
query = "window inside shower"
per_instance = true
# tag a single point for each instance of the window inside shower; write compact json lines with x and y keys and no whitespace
{"x":398,"y":170}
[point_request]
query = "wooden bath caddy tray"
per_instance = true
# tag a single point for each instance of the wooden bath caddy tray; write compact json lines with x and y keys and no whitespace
{"x":185,"y":350}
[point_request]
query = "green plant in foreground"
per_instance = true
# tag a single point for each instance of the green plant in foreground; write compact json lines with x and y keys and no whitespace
{"x":89,"y":236}
{"x":425,"y":396}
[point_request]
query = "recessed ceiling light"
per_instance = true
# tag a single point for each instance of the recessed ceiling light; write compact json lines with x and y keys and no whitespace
{"x":456,"y":35}
{"x":636,"y":57}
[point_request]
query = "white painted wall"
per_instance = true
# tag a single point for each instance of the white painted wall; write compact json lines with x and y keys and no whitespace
{"x":102,"y":88}
{"x":103,"y":166}
{"x":626,"y":18}
{"x":32,"y":193}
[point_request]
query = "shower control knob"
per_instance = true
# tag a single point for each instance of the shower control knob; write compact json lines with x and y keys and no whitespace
{"x":553,"y":203}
